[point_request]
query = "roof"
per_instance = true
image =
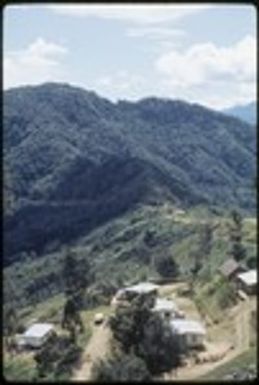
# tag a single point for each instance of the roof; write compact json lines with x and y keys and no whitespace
{"x":38,"y":330}
{"x":163,"y":304}
{"x":143,"y":287}
{"x":179,"y":211}
{"x":249,"y":277}
{"x":229,"y":267}
{"x":185,"y":326}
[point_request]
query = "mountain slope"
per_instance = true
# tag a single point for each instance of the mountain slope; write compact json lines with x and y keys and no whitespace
{"x":245,"y":112}
{"x":78,"y":160}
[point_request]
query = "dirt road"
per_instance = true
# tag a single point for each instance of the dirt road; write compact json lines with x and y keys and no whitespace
{"x":96,"y":349}
{"x":241,"y":342}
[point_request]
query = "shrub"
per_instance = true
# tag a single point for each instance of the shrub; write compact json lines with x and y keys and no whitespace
{"x":166,"y":266}
{"x":126,"y":367}
{"x":139,"y":330}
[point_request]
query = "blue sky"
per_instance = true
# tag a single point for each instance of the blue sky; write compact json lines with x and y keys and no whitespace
{"x":200,"y":53}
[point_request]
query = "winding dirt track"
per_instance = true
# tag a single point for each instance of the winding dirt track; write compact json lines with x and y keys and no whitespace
{"x":99,"y":346}
{"x":96,"y":349}
{"x":242,"y":340}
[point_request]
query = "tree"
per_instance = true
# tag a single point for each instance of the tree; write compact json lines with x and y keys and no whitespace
{"x":147,"y":335}
{"x":11,"y":322}
{"x":166,"y":266}
{"x":75,"y":273}
{"x":128,"y":323}
{"x":158,"y":347}
{"x":76,"y":277}
{"x":121,"y":368}
{"x":56,"y":357}
{"x":237,"y":251}
{"x":206,"y":239}
{"x":71,"y":318}
{"x":251,"y":262}
{"x":9,"y":197}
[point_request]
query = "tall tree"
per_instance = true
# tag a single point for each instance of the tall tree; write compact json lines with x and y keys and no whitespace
{"x":8,"y":194}
{"x":158,"y":348}
{"x":139,"y":330}
{"x":76,"y":277}
{"x":237,"y":250}
{"x":76,"y":274}
{"x":206,"y":239}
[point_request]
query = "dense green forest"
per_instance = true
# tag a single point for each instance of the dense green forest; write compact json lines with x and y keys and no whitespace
{"x":76,"y":160}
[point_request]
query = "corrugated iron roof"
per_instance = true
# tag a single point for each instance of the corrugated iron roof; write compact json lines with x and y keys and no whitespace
{"x":143,"y":287}
{"x":38,"y":330}
{"x":185,"y":326}
{"x":249,"y":277}
{"x":229,"y":267}
{"x":163,"y":304}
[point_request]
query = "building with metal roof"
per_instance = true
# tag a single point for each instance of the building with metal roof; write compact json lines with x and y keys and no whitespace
{"x":36,"y":335}
{"x":142,"y":288}
{"x":167,"y":308}
{"x":248,"y":281}
{"x":190,"y":333}
{"x":230,"y":268}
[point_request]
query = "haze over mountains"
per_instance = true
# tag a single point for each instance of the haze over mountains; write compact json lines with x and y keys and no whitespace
{"x":76,"y":160}
{"x":245,"y":112}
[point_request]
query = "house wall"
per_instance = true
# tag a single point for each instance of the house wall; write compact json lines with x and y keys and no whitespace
{"x":194,"y":340}
{"x":189,"y":341}
{"x":247,"y":289}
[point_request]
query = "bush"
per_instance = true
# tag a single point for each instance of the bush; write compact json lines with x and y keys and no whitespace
{"x":56,"y":357}
{"x":126,"y":367}
{"x":166,"y":266}
{"x":226,"y":295}
{"x":158,"y":348}
{"x":139,"y":330}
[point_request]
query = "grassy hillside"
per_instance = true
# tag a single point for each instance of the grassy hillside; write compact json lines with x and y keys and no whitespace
{"x":242,"y":362}
{"x":126,"y":250}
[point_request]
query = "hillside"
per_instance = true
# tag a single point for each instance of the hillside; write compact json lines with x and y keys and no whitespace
{"x":245,"y":112}
{"x":125,"y":250}
{"x":77,"y":160}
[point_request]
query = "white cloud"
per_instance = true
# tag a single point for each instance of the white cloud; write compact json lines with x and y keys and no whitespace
{"x":122,"y":84}
{"x":215,"y":74}
{"x":39,"y":62}
{"x":139,"y":14}
{"x":155,"y":32}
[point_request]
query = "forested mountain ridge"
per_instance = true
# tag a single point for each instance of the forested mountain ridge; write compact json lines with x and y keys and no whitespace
{"x":77,"y":160}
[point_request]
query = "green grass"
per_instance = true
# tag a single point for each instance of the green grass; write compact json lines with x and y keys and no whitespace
{"x":23,"y":368}
{"x":215,"y":297}
{"x":119,"y":253}
{"x":239,"y":362}
{"x":19,"y":368}
{"x":45,"y":311}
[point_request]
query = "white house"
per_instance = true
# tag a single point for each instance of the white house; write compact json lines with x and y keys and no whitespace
{"x":36,"y":335}
{"x":247,"y":281}
{"x":167,"y":308}
{"x":190,"y":333}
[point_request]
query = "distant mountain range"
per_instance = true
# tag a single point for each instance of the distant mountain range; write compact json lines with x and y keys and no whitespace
{"x":76,"y":160}
{"x":245,"y":112}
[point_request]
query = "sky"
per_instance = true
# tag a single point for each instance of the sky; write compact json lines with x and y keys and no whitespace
{"x":202,"y":53}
